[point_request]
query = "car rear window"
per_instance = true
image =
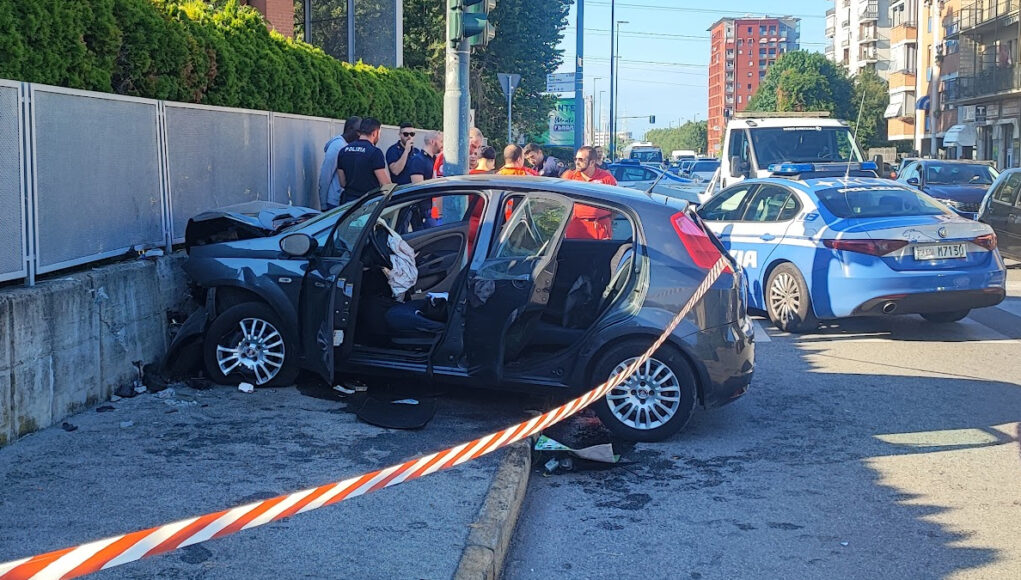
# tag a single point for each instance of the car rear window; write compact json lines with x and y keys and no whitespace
{"x":877,"y":201}
{"x":705,"y":166}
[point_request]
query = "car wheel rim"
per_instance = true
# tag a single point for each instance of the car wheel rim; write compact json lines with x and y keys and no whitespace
{"x":785,"y":297}
{"x":647,"y":399}
{"x":255,"y":349}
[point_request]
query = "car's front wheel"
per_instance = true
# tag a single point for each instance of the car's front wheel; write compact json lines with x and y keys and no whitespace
{"x":946,"y":317}
{"x":788,"y":303}
{"x":655,"y":402}
{"x":246,"y":343}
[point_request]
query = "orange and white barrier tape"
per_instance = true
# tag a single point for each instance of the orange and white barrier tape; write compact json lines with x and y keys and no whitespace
{"x":102,"y":554}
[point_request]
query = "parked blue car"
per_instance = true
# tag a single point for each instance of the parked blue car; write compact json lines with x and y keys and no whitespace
{"x":960,"y":184}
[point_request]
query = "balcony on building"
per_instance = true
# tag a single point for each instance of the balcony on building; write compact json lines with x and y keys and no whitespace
{"x":869,"y":11}
{"x":830,"y":31}
{"x":993,"y":81}
{"x":845,"y":42}
{"x":868,"y":35}
{"x":829,"y":51}
{"x":868,"y":55}
{"x":983,"y":15}
{"x":901,"y":77}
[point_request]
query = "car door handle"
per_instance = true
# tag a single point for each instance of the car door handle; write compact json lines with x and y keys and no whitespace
{"x":767,"y":237}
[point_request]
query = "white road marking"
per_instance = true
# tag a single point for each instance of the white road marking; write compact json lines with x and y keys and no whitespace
{"x":760,"y":333}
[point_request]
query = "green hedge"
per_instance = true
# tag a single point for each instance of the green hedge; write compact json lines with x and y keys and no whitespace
{"x":189,"y":51}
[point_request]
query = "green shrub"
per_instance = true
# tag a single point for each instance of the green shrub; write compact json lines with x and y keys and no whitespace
{"x":187,"y":50}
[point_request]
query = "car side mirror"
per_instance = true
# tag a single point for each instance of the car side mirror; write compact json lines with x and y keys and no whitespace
{"x":913,"y":181}
{"x":298,"y":245}
{"x":737,"y":167}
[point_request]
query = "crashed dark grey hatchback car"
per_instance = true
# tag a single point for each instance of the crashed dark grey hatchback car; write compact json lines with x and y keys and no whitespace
{"x":522,"y":283}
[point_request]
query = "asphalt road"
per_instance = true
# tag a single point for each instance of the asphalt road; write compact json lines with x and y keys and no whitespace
{"x":202,"y":451}
{"x":870,"y":449}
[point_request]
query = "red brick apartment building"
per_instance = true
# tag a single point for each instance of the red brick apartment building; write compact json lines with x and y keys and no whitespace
{"x":742,"y":50}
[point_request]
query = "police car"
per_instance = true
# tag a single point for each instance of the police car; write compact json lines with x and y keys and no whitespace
{"x":826,"y":241}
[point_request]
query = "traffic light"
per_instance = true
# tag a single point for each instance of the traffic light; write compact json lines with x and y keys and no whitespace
{"x":652,"y":119}
{"x":469,"y":20}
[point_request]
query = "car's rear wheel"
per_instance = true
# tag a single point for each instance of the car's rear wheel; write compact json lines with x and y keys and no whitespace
{"x":246,"y":343}
{"x":945,"y":317}
{"x":788,"y":303}
{"x":655,"y":402}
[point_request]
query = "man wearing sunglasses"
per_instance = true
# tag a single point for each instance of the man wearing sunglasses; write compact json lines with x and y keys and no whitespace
{"x":587,"y":169}
{"x":400,"y":157}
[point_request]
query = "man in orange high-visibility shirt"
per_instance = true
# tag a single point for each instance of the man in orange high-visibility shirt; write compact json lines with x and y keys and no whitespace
{"x":586,"y":168}
{"x":514,"y":162}
{"x":588,"y":222}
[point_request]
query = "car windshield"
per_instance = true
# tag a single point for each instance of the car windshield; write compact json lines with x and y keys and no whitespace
{"x":348,"y":229}
{"x":648,"y":155}
{"x":958,"y":174}
{"x":705,"y":166}
{"x":877,"y":201}
{"x":803,"y":145}
{"x":324,"y":219}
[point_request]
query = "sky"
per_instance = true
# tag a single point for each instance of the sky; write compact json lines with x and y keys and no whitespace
{"x":664,"y":51}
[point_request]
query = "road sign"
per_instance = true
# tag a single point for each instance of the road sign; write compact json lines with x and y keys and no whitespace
{"x":560,"y":83}
{"x":509,"y":82}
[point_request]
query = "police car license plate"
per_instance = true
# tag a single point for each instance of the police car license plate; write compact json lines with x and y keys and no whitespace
{"x":941,"y":251}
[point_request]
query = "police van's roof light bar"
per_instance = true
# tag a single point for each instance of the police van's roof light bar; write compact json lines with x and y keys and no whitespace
{"x":788,"y":169}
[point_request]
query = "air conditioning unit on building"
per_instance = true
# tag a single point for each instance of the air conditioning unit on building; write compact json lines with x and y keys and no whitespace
{"x":968,"y":113}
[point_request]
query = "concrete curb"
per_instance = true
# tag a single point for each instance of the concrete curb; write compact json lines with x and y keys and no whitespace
{"x":491,"y":533}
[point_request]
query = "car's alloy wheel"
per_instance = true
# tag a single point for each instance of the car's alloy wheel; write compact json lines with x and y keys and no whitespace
{"x":257,"y":348}
{"x":247,"y":343}
{"x":784,"y":296}
{"x":655,"y":402}
{"x":647,"y":399}
{"x":787,"y":301}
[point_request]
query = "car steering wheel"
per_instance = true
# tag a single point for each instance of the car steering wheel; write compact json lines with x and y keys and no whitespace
{"x":379,"y":246}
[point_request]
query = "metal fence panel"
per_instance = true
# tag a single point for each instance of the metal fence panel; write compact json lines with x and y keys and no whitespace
{"x":96,"y":176}
{"x":216,"y":157}
{"x":297,"y":157}
{"x":12,"y":209}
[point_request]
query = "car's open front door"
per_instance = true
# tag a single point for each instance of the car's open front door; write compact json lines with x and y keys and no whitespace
{"x":329,"y":295}
{"x":508,"y":291}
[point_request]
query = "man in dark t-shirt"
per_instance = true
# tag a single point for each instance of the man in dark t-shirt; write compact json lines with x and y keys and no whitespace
{"x":361,"y":166}
{"x":401,"y":156}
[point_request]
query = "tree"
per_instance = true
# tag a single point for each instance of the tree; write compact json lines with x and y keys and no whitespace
{"x":691,"y":135}
{"x":527,"y":35}
{"x":871,"y":95}
{"x":805,"y":81}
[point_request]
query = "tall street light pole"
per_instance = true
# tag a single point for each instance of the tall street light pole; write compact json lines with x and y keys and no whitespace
{"x":614,"y":82}
{"x":595,"y":112}
{"x":579,"y":79}
{"x":601,"y":93}
{"x":613,"y":76}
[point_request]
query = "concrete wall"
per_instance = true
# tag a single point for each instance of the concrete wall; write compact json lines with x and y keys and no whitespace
{"x":68,"y":343}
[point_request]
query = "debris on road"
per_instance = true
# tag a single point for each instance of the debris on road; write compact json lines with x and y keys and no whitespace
{"x":125,"y":391}
{"x":396,"y":414}
{"x":246,"y":388}
{"x":167,"y":393}
{"x":344,"y":390}
{"x":105,"y":408}
{"x":127,"y":424}
{"x":69,"y":427}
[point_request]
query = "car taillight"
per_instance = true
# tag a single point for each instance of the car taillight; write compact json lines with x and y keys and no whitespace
{"x":871,"y":247}
{"x":700,"y":247}
{"x":988,"y":241}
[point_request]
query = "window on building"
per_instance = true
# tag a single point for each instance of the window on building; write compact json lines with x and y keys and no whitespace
{"x":762,"y":74}
{"x":749,"y":30}
{"x":749,"y":84}
{"x":772,"y":30}
{"x":928,"y":25}
{"x":762,"y":29}
{"x":739,"y":99}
